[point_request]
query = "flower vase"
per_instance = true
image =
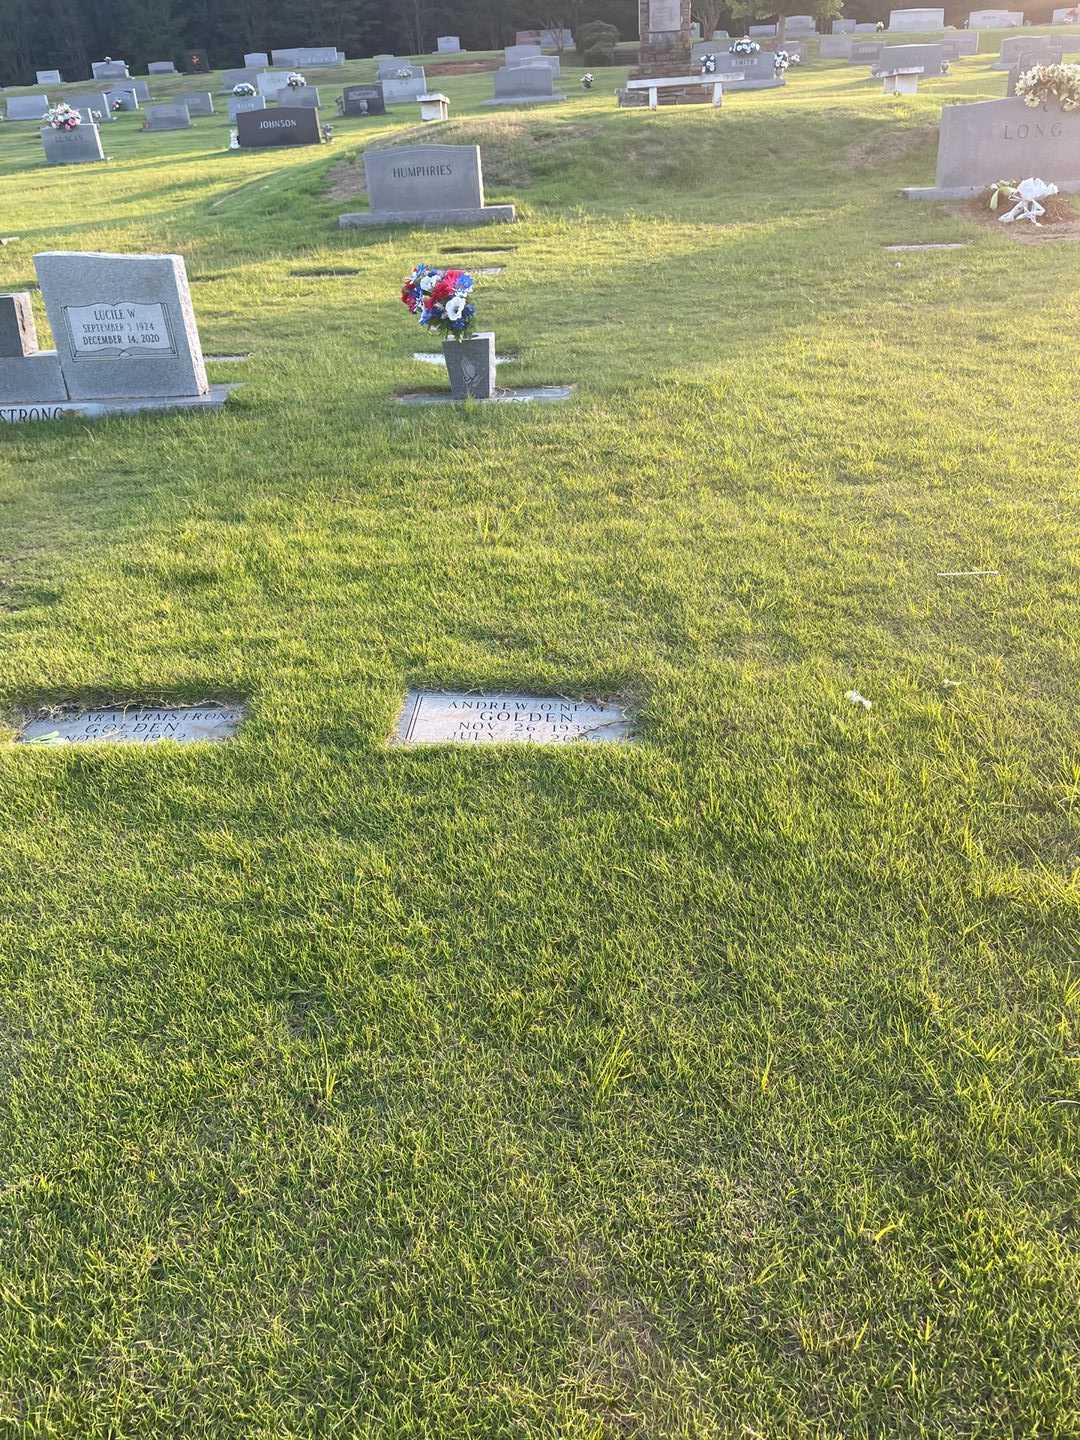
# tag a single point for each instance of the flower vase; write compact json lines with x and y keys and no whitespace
{"x":470,"y":365}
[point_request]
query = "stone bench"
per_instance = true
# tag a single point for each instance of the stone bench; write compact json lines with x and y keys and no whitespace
{"x":653,"y":84}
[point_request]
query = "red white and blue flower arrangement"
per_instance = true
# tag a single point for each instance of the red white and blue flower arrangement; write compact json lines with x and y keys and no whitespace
{"x":441,"y":300}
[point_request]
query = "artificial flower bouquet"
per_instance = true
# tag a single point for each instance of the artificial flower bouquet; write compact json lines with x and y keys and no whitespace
{"x":1050,"y":82}
{"x":243,"y":91}
{"x":441,"y":300}
{"x":783,"y":58}
{"x":708,"y":64}
{"x":295,"y":81}
{"x":62,"y":117}
{"x":745,"y":46}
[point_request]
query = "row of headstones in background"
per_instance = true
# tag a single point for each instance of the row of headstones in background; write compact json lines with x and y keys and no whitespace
{"x":448,"y":45}
{"x":918,"y":20}
{"x":981,"y":142}
{"x":126,"y":339}
{"x":1064,"y":16}
{"x":308,"y":57}
{"x":426,"y":184}
{"x":994,"y":19}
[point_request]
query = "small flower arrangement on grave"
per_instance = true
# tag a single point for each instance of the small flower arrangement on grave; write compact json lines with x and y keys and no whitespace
{"x":403,"y":74}
{"x":708,"y":64}
{"x":587,"y":80}
{"x":63,"y":117}
{"x":295,"y":81}
{"x":243,"y":91}
{"x":745,"y":46}
{"x":1027,"y":196}
{"x":327,"y":133}
{"x":783,"y":58}
{"x":1050,"y":82}
{"x":117,"y":105}
{"x":441,"y":300}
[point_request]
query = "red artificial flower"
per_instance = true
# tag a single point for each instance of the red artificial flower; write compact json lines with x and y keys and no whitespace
{"x":443,"y":290}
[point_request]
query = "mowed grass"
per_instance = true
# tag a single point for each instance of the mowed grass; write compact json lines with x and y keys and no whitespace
{"x":722,"y":1085}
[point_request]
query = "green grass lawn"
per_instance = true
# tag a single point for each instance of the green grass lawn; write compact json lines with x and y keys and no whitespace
{"x":724,"y":1085}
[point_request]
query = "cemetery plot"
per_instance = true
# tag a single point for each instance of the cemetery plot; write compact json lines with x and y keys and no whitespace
{"x":132,"y":725}
{"x":457,"y":718}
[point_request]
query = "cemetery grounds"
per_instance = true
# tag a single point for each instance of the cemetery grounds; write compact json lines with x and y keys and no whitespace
{"x":724,"y":1084}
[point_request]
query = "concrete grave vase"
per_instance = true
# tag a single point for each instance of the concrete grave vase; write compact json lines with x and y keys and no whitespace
{"x":470,"y":365}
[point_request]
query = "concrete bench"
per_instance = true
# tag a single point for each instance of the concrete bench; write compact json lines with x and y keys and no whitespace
{"x":655,"y":83}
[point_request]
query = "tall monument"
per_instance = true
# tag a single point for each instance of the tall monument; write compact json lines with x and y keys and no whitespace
{"x":664,"y":28}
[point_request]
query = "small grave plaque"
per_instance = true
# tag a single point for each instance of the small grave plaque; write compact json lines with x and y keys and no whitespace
{"x":438,"y":717}
{"x":133,"y":725}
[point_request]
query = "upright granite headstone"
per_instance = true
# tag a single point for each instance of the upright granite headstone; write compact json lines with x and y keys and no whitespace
{"x":257,"y":60}
{"x":303,"y":95}
{"x":927,"y":58}
{"x":762,"y":32}
{"x":995,"y":19}
{"x":124,"y":99}
{"x":388,"y":65}
{"x":72,"y":147}
{"x":521,"y":54}
{"x":448,"y":45}
{"x":27,"y":107}
{"x":110,"y":70}
{"x":301,"y":56}
{"x":239,"y":104}
{"x":269,"y":82}
{"x":980,"y":143}
{"x":1047,"y":49}
{"x":428,"y":184}
{"x":49,"y":77}
{"x":123,"y":324}
{"x":835,"y":47}
{"x":199,"y":102}
{"x":964,"y":43}
{"x":524,"y":85}
{"x":401,"y":91}
{"x":95,"y":109}
{"x":231,"y":78}
{"x":866,"y":52}
{"x":363,"y":100}
{"x":796,"y":25}
{"x":173,"y":116}
{"x":162,"y":67}
{"x":917,"y":20}
{"x":287,"y":125}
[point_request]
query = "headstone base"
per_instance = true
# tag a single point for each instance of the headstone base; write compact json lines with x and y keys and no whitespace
{"x":484,"y":215}
{"x":32,"y":377}
{"x":18,"y":412}
{"x":543,"y":394}
{"x":970,"y":192}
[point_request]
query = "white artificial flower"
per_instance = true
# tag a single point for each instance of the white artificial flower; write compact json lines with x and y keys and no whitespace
{"x":428,"y":283}
{"x":455,"y":307}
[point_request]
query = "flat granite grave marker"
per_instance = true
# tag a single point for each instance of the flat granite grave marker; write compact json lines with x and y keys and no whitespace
{"x":132,"y":725}
{"x":173,"y":116}
{"x":287,"y":125}
{"x":27,"y":107}
{"x":80,"y":146}
{"x":362,"y":100}
{"x":981,"y":142}
{"x":433,"y":717}
{"x":426,"y":184}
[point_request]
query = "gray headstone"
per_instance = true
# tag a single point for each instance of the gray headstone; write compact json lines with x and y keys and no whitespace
{"x":161,"y":67}
{"x":49,"y":77}
{"x":761,"y":32}
{"x":173,"y":116}
{"x":363,"y":100}
{"x":72,"y":147}
{"x":110,"y":70}
{"x":525,"y":82}
{"x":749,"y":72}
{"x":126,"y":99}
{"x":123,"y":324}
{"x":239,"y":104}
{"x":268,"y":82}
{"x":799,"y":25}
{"x":440,"y":717}
{"x":995,"y":19}
{"x":1033,"y":49}
{"x":446,"y":45}
{"x":305,"y":95}
{"x":94,"y":109}
{"x":835,"y":47}
{"x":299,"y":56}
{"x":200,"y":102}
{"x":917,"y":20}
{"x":965,"y":43}
{"x":231,"y":78}
{"x":866,"y":52}
{"x":134,"y":725}
{"x":842,"y":26}
{"x":257,"y":60}
{"x":979,"y":143}
{"x":424,"y":179}
{"x":27,"y":107}
{"x":287,"y":125}
{"x":388,"y":65}
{"x":519,"y":54}
{"x":18,"y":333}
{"x":928,"y":58}
{"x":400,"y":92}
{"x":139,"y":88}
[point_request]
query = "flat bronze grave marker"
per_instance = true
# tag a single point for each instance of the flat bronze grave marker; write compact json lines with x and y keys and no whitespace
{"x":132,"y":725}
{"x":434,"y":717}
